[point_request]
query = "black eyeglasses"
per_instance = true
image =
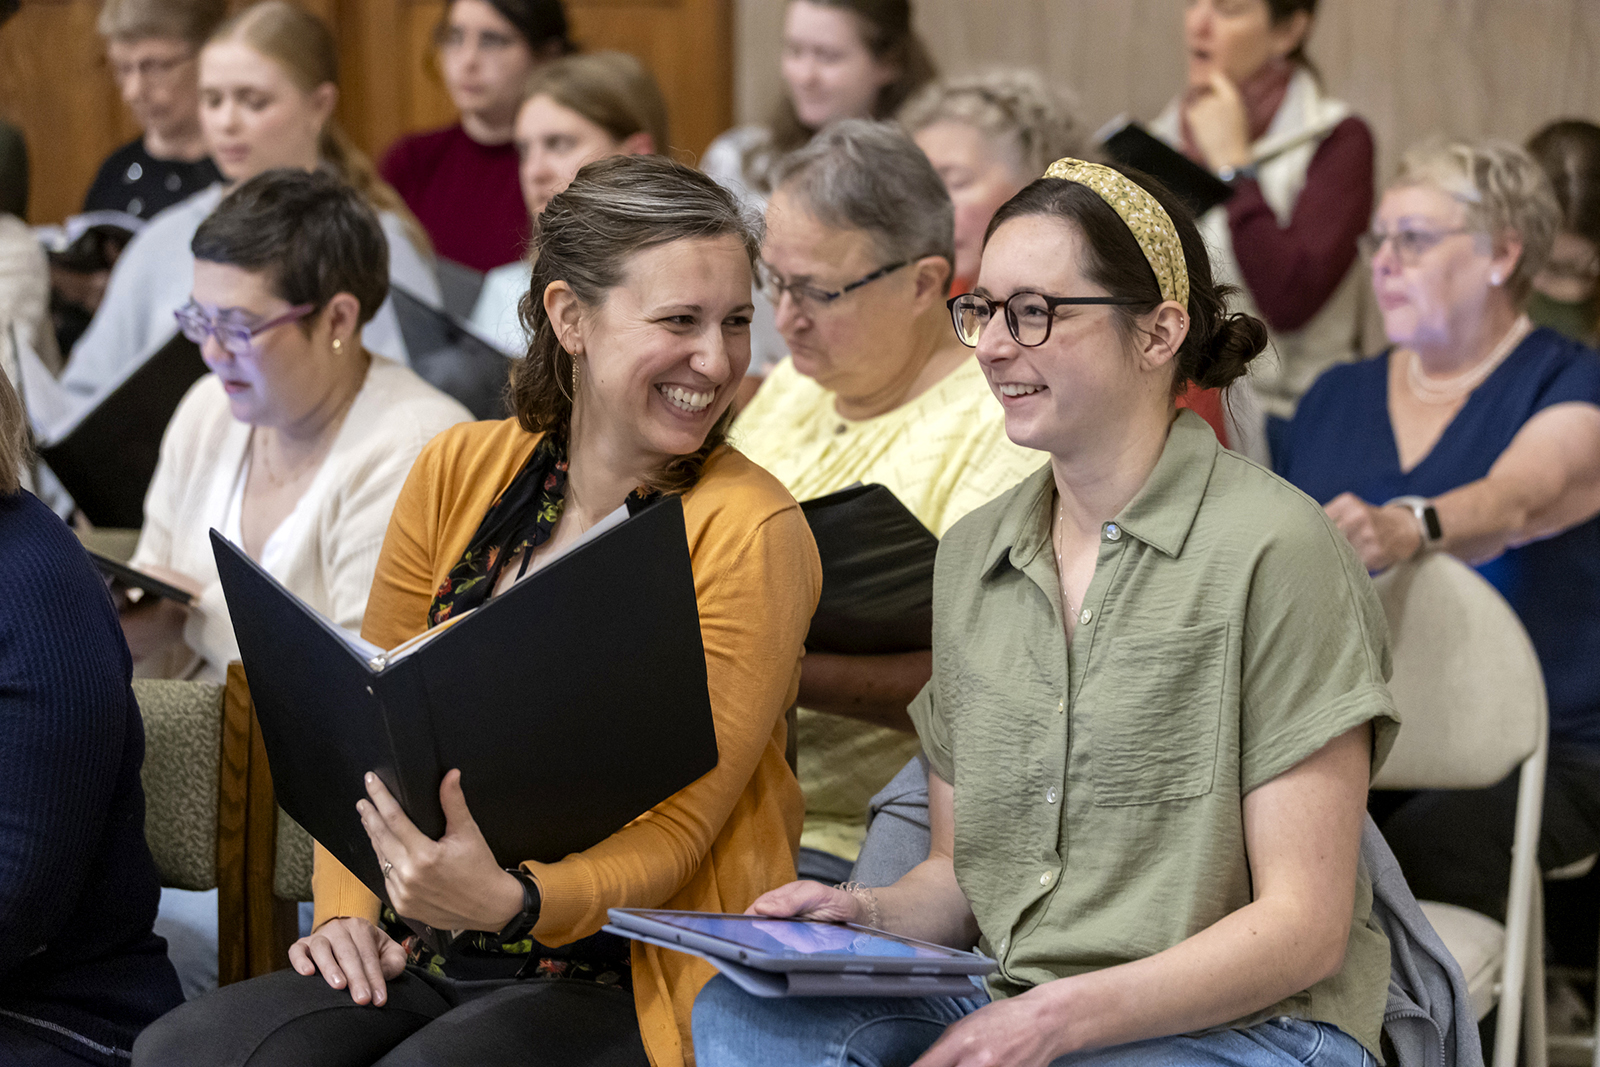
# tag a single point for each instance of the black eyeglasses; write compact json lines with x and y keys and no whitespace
{"x":774,"y":285}
{"x":1028,"y":315}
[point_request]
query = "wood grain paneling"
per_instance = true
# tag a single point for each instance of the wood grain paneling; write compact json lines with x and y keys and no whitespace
{"x":54,"y":82}
{"x":1467,"y":68}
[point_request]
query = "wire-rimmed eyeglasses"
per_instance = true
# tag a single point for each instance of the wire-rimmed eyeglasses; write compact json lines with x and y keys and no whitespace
{"x":1409,"y":245}
{"x":1029,"y":316}
{"x":236,"y":337}
{"x":774,"y":285}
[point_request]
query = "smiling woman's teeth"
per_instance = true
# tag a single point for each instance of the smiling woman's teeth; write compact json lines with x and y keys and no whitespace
{"x":1012,"y":389}
{"x":686,"y":399}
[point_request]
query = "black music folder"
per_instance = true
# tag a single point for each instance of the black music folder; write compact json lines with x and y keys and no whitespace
{"x":129,"y":578}
{"x":107,"y":459}
{"x":572,"y":703}
{"x":447,"y":355}
{"x":877,"y":574}
{"x":1134,"y":146}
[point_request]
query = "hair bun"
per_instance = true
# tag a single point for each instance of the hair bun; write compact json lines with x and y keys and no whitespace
{"x":1238,"y":339}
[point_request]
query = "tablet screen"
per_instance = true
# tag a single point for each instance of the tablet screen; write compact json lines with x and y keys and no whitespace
{"x":791,"y":937}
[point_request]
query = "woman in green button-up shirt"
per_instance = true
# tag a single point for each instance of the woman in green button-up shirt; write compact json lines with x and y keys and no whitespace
{"x":1158,"y":694}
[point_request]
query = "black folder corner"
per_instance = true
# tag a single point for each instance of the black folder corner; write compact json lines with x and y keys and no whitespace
{"x":1199,"y":189}
{"x":877,"y":574}
{"x":572,"y":703}
{"x":450,"y":357}
{"x":130,"y":578}
{"x":107,"y":460}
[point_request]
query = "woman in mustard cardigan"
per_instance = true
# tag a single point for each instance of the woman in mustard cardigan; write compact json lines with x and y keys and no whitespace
{"x":640,"y":317}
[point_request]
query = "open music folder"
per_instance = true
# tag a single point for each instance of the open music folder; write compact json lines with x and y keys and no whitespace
{"x":572,"y":703}
{"x":106,"y":457}
{"x":877,"y":573}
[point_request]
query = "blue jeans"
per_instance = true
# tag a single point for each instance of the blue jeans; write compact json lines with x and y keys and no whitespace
{"x":734,"y":1029}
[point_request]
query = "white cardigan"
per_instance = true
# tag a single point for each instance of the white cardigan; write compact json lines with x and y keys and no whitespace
{"x":153,"y":278}
{"x":325,"y":552}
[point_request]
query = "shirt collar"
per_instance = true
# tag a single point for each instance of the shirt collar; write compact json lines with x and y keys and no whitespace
{"x":1161,"y":514}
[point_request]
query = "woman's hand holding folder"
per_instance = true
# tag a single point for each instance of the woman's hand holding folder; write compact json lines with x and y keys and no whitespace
{"x":453,"y":883}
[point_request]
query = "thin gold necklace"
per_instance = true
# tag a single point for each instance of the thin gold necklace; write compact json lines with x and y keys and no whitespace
{"x":1441,"y":391}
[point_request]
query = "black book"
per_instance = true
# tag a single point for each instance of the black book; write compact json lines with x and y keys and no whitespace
{"x":1134,"y":146}
{"x":877,"y":574}
{"x":107,"y":459}
{"x":129,"y":578}
{"x":447,"y":355}
{"x":572,"y":703}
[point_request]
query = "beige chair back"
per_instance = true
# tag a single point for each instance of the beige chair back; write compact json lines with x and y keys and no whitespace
{"x":182,"y":778}
{"x":1466,"y":679}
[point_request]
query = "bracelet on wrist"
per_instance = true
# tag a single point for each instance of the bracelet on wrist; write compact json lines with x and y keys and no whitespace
{"x":864,"y":894}
{"x":1429,"y":532}
{"x":522,"y":923}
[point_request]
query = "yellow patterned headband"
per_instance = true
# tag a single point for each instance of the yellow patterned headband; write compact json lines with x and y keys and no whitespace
{"x":1151,"y":225}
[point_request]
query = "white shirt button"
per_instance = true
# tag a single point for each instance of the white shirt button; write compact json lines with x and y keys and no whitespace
{"x":1050,"y":795}
{"x":1044,"y":879}
{"x":1113,"y":532}
{"x":1084,"y":616}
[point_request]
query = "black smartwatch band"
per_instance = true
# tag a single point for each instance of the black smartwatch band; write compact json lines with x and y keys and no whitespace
{"x":523,"y":922}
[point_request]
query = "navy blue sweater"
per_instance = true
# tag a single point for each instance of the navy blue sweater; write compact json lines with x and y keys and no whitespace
{"x":79,"y":966}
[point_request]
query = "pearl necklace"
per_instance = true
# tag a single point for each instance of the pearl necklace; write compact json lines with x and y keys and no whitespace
{"x":1440,"y":391}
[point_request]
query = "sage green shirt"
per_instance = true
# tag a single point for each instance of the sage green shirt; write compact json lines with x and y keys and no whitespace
{"x":1229,"y":633}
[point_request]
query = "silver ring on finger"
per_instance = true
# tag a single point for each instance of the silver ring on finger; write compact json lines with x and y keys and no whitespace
{"x":388,"y":865}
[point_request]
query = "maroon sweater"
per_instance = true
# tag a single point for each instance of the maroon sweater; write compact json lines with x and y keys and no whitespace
{"x":1293,"y":270}
{"x":465,"y":194}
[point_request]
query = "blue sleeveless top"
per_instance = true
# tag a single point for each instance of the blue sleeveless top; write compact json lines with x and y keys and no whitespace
{"x":1341,"y":441}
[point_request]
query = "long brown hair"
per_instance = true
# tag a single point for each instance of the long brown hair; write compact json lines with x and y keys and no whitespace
{"x":613,"y":90}
{"x":303,"y":46}
{"x":13,"y":436}
{"x":614,"y":209}
{"x":887,"y":32}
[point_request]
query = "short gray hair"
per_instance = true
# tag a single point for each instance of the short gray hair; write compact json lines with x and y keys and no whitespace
{"x":1016,"y":109}
{"x":1502,"y":188}
{"x":861,"y":175}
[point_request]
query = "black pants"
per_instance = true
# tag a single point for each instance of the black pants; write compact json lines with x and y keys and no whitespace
{"x":285,"y":1018}
{"x":1455,"y":845}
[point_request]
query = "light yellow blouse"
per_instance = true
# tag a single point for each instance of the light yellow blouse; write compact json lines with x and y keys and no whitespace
{"x":943,"y":454}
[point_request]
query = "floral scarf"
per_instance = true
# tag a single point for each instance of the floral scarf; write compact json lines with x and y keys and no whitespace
{"x":520,"y":519}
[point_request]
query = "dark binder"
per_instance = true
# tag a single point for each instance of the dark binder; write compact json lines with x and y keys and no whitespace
{"x":572,"y":703}
{"x":877,"y":574}
{"x":106,"y":461}
{"x":447,"y":355}
{"x":1199,"y":189}
{"x":129,"y":578}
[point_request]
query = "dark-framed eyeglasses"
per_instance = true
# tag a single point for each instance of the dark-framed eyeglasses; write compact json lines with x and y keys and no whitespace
{"x":1029,"y":316}
{"x":1409,"y":245}
{"x":774,"y":285}
{"x":236,"y":337}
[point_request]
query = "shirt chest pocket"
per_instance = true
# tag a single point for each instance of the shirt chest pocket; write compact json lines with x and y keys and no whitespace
{"x":1155,"y":715}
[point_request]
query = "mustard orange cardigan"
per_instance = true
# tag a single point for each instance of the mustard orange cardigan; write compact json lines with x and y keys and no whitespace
{"x":715,"y":845}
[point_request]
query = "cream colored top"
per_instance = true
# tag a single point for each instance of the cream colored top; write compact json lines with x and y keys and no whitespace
{"x":943,"y":454}
{"x":325,"y":551}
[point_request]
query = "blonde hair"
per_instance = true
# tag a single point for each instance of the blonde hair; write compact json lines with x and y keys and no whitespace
{"x":1501,"y":187}
{"x":190,"y":21}
{"x":613,"y":90}
{"x":303,"y":46}
{"x":13,"y":438}
{"x":1015,"y":109}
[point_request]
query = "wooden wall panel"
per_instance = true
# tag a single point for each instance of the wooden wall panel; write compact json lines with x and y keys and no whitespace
{"x":1468,"y":68}
{"x":54,"y":82}
{"x":55,"y":85}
